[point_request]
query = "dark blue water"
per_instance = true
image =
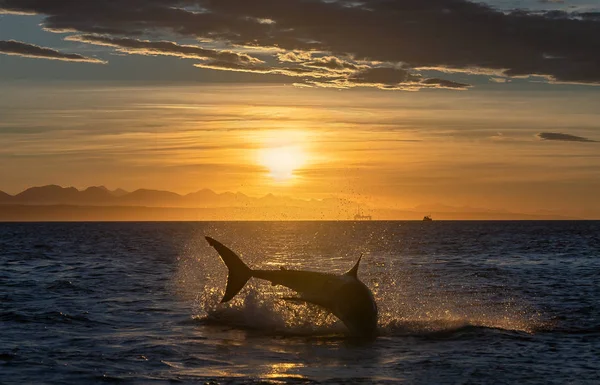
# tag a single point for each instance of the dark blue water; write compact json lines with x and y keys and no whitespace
{"x":460,"y":302}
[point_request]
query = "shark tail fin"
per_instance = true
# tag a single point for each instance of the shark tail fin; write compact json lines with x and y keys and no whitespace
{"x":238,"y":273}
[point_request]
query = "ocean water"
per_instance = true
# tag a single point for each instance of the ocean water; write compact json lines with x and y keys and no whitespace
{"x":459,"y":303}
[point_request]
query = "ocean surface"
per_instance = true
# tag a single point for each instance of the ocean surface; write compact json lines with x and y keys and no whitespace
{"x":459,"y":303}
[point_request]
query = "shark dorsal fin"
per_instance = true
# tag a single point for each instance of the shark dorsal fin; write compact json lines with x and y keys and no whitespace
{"x":354,"y":271}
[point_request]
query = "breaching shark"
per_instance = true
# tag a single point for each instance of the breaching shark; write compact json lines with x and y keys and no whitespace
{"x":344,"y":295}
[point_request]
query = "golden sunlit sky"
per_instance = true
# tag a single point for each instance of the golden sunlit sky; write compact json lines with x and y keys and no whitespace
{"x":262,"y":99}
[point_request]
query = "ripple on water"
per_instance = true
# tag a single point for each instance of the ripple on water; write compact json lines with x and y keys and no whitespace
{"x":460,"y":302}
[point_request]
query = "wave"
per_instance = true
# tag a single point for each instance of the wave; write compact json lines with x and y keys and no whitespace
{"x":63,"y":285}
{"x":436,"y":329}
{"x":583,"y":330}
{"x":262,"y":315}
{"x":448,"y":329}
{"x":50,"y":317}
{"x":409,"y":305}
{"x":7,"y":357}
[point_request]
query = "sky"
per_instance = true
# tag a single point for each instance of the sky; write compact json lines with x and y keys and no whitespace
{"x":391,"y":103}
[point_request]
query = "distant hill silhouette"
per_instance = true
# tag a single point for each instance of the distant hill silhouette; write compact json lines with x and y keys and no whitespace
{"x":51,"y":194}
{"x":205,"y":198}
{"x":97,"y":203}
{"x":143,"y":197}
{"x":119,"y":192}
{"x":4,"y":197}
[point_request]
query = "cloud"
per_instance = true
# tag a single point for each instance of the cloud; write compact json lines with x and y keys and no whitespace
{"x":383,"y":75}
{"x":259,"y":69}
{"x":443,"y":83}
{"x":563,"y":137}
{"x":333,"y":63}
{"x":390,"y":78}
{"x":166,"y":48}
{"x":594,"y":16}
{"x":294,"y":56}
{"x":12,"y":47}
{"x":499,"y":80}
{"x":452,"y":35}
{"x":9,"y":12}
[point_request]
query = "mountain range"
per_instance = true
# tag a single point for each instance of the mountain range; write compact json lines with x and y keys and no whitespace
{"x":101,"y":196}
{"x":97,"y":203}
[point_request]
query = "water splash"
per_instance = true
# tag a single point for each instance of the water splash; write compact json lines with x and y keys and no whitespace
{"x":421,"y":299}
{"x":413,"y":298}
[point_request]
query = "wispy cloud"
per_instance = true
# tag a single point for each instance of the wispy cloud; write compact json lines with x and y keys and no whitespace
{"x":12,"y":47}
{"x":165,"y":48}
{"x":563,"y":137}
{"x":341,"y":39}
{"x":389,"y":78}
{"x":14,"y":12}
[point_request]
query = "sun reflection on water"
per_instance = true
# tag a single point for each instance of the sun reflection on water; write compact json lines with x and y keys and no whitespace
{"x":284,"y":370}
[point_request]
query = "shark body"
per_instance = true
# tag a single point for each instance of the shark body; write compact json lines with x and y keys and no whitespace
{"x":345,"y":296}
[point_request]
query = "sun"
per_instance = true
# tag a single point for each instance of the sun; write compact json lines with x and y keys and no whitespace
{"x":282,"y":161}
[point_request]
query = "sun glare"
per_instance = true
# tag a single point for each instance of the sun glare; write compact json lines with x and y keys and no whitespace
{"x":282,"y":161}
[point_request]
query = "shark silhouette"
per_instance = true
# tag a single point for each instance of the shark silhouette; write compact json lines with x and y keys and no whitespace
{"x":342,"y":295}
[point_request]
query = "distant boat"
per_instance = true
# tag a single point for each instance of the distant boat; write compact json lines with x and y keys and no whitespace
{"x":360,"y":217}
{"x":427,"y":218}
